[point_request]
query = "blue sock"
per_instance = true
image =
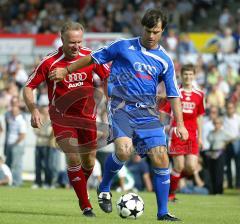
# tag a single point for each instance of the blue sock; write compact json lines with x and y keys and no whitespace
{"x":111,"y":168}
{"x":161,"y":181}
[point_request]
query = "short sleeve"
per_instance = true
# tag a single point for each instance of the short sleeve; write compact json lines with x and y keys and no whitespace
{"x":106,"y":54}
{"x":38,"y":75}
{"x":170,"y":81}
{"x":102,"y":70}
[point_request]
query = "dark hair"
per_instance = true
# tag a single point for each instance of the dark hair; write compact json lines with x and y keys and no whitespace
{"x":188,"y":67}
{"x":71,"y":26}
{"x":153,"y":16}
{"x":229,"y":102}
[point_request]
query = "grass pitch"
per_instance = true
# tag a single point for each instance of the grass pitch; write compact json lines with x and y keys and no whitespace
{"x":59,"y":206}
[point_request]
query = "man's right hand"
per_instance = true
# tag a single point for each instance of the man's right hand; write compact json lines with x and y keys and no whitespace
{"x":36,"y":120}
{"x":58,"y":74}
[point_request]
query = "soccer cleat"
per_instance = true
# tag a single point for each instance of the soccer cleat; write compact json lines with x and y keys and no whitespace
{"x":104,"y":201}
{"x":168,"y":217}
{"x":88,"y":212}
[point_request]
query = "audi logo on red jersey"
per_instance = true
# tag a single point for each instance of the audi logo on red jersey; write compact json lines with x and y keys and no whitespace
{"x":141,"y":67}
{"x":76,"y":77}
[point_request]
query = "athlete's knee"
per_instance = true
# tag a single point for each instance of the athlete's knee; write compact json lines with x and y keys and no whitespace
{"x":190,"y":168}
{"x":159,"y":157}
{"x":88,"y":162}
{"x":123,"y":152}
{"x":73,"y":159}
{"x":178,"y":167}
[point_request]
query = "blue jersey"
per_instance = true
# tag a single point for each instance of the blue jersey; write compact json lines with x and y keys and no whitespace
{"x":137,"y":71}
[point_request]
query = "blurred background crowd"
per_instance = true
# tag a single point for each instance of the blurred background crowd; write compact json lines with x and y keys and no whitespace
{"x":43,"y":16}
{"x":217,"y":74}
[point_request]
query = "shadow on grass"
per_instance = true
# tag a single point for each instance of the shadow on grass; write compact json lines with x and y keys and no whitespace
{"x":35,"y":213}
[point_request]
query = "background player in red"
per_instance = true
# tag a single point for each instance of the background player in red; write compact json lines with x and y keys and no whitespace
{"x":185,"y":153}
{"x":71,"y":108}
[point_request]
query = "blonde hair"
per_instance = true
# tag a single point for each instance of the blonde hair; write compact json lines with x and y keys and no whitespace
{"x":71,"y":26}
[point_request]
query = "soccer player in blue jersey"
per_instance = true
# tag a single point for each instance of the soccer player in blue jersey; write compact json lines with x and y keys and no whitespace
{"x":138,"y":66}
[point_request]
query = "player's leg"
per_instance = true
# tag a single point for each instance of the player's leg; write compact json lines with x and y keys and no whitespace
{"x":150,"y":138}
{"x":178,"y":150}
{"x":123,"y":150}
{"x":178,"y":166}
{"x":87,"y":140}
{"x":191,"y":156}
{"x":67,"y":139}
{"x":191,"y":162}
{"x":88,"y":161}
{"x":88,"y":157}
{"x":114,"y":162}
{"x":160,"y":163}
{"x":75,"y":173}
{"x":122,"y":134}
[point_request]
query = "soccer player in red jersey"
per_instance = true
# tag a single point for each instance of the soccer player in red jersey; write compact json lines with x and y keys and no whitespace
{"x":185,"y":153}
{"x":71,"y":108}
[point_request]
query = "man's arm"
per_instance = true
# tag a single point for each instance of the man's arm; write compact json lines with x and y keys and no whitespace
{"x":36,"y":120}
{"x":181,"y":131}
{"x":59,"y":74}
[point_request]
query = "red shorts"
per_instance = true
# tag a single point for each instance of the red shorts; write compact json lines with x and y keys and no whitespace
{"x":82,"y":128}
{"x":179,"y":147}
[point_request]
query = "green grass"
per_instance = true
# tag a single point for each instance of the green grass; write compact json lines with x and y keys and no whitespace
{"x":27,"y":206}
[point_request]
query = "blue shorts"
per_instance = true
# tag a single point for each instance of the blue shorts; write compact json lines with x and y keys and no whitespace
{"x":139,"y":124}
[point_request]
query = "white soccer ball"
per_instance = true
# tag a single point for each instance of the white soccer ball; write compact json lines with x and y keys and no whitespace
{"x":130,"y":206}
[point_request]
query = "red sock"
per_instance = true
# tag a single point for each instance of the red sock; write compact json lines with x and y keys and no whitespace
{"x":77,"y":180}
{"x":87,"y":173}
{"x":174,"y":178}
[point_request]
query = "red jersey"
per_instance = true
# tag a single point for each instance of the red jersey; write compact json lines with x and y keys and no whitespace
{"x":68,"y":96}
{"x":192,"y":107}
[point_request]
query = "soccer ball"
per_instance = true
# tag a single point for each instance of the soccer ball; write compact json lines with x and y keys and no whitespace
{"x":130,"y":206}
